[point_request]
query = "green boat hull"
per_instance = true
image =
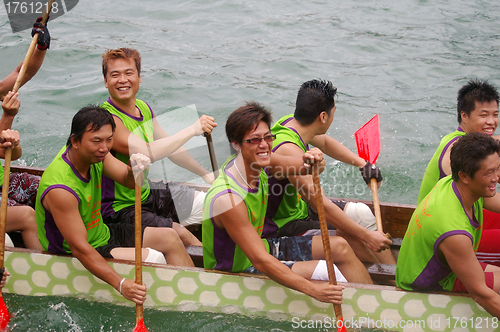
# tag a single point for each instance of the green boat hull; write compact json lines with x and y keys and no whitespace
{"x":194,"y":289}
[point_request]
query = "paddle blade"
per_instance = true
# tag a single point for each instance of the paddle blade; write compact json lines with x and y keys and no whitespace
{"x":4,"y":315}
{"x":140,"y":326}
{"x":340,"y":325}
{"x":368,"y":140}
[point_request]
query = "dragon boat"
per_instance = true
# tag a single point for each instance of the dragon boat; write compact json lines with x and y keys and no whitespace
{"x":381,"y":306}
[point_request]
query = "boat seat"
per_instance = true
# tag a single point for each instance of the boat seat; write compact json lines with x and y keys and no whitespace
{"x":384,"y":274}
{"x":396,"y":243}
{"x":196,"y":253}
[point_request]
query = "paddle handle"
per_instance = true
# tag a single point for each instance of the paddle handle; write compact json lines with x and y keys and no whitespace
{"x":211,"y":152}
{"x":138,"y":247}
{"x":325,"y":239}
{"x":31,"y":49}
{"x":376,"y":204}
{"x":5,"y":201}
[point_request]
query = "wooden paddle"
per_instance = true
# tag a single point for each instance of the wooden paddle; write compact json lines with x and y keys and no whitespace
{"x":326,"y":245}
{"x":211,"y":152}
{"x":4,"y":313}
{"x":368,"y":144}
{"x":139,"y":320}
{"x":31,"y":49}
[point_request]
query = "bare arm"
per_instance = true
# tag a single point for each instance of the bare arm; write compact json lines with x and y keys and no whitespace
{"x":182,"y":158}
{"x":336,"y":150}
{"x":457,"y":250}
{"x":126,"y":174}
{"x":446,"y":162}
{"x":35,"y":63}
{"x":235,"y":222}
{"x":126,"y":143}
{"x":72,"y":228}
{"x":12,"y":140}
{"x":284,"y":165}
{"x":10,"y":107}
{"x":492,"y":203}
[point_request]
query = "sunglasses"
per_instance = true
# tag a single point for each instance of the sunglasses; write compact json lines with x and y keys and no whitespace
{"x":257,"y":140}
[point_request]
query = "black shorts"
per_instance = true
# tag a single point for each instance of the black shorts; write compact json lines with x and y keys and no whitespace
{"x":298,"y":227}
{"x":166,"y":203}
{"x":121,"y":236}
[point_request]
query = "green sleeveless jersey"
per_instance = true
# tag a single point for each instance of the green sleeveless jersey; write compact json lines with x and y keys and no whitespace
{"x":219,"y":250}
{"x":61,"y":174}
{"x":439,"y":215}
{"x":115,"y":196}
{"x":434,"y":171}
{"x":285,"y":203}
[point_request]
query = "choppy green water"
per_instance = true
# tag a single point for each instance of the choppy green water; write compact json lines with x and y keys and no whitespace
{"x":52,"y":313}
{"x":49,"y":314}
{"x":404,"y":60}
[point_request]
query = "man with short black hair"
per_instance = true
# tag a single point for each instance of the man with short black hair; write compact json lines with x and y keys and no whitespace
{"x":292,"y":203}
{"x":68,"y":209}
{"x":438,"y":249}
{"x":477,"y":111}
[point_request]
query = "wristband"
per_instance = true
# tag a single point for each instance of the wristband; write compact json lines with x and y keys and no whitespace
{"x":121,"y":283}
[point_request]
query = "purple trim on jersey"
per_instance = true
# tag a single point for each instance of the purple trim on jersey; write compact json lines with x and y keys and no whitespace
{"x":435,"y":271}
{"x":151,"y":110}
{"x":277,"y":146}
{"x":276,"y":195}
{"x":295,"y":131}
{"x":250,"y":190}
{"x":60,"y":186}
{"x":441,"y":172}
{"x":78,"y":175}
{"x":473,"y":221}
{"x":122,"y":111}
{"x":107,"y":194}
{"x":270,"y":229}
{"x":223,"y":244}
{"x":286,"y":121}
{"x":52,"y":233}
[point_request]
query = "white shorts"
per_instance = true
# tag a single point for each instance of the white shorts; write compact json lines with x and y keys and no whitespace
{"x":196,"y":216}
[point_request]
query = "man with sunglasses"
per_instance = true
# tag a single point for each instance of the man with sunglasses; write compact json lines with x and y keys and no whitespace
{"x":292,"y":204}
{"x":234,"y":215}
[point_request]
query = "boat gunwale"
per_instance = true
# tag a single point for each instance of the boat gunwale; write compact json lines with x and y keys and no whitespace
{"x":241,"y":274}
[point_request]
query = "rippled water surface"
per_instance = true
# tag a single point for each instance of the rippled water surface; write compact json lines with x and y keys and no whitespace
{"x":403,"y":60}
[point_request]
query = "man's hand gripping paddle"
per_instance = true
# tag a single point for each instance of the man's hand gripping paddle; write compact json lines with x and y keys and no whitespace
{"x":368,"y":144}
{"x":31,"y":49}
{"x":326,"y":244}
{"x":211,"y":152}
